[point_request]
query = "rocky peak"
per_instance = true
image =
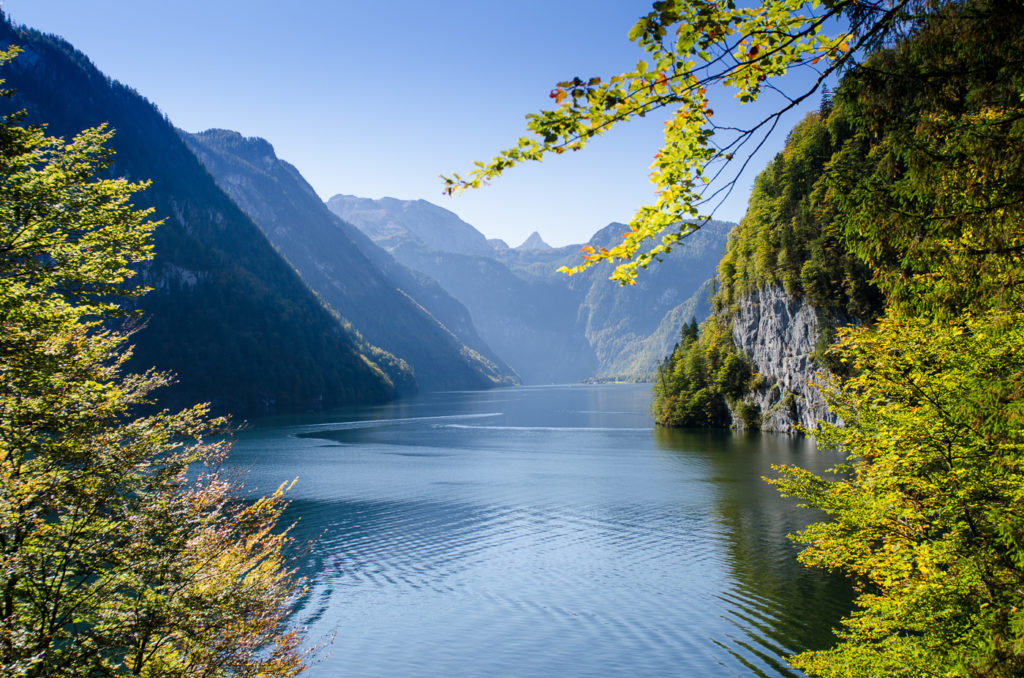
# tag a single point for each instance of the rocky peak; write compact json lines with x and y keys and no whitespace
{"x":534,"y":242}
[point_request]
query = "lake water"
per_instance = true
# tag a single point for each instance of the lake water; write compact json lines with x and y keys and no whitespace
{"x":544,"y":532}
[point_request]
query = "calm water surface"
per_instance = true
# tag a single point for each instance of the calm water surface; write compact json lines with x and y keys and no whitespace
{"x":544,"y":532}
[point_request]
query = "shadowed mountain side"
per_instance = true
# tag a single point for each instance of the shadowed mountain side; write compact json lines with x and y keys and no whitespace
{"x":549,"y":327}
{"x":632,"y":328}
{"x":629,"y":353}
{"x":227,"y":313}
{"x":427,"y":292}
{"x":389,"y":305}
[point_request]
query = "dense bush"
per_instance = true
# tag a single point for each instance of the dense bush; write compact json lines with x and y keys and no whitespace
{"x":704,"y":374}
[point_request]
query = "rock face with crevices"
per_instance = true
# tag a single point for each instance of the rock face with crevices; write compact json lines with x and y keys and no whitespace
{"x":778,"y":333}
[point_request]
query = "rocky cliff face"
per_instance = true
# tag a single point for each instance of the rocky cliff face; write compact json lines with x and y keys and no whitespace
{"x":778,"y":334}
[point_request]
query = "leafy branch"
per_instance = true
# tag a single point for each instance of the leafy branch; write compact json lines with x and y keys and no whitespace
{"x":715,"y":44}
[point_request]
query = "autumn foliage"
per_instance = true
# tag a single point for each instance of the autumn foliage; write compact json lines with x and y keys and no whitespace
{"x":123,"y":552}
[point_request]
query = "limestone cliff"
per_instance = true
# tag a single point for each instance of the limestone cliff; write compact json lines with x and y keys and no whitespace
{"x":778,"y":334}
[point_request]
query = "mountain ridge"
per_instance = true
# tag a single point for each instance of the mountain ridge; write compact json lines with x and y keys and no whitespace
{"x":360,"y":281}
{"x":547,"y":326}
{"x":227,"y":314}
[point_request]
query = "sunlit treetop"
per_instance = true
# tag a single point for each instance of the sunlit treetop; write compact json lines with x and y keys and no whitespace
{"x":694,"y":46}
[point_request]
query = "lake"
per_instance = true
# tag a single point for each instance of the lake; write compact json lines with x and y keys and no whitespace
{"x":541,"y":532}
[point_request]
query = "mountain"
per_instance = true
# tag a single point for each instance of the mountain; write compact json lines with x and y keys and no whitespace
{"x":632,"y":328}
{"x":549,"y":327}
{"x":785,"y":284}
{"x":227,"y":314}
{"x":525,"y":320}
{"x":534,"y":242}
{"x":530,"y":323}
{"x":392,"y":223}
{"x":390,"y":305}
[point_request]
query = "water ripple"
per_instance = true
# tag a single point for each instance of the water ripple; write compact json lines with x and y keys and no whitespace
{"x":451,"y":549}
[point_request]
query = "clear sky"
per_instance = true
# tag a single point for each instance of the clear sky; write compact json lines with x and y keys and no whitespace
{"x":378,"y":97}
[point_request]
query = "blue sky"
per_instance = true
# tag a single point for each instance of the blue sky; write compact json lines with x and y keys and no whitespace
{"x":376,"y":98}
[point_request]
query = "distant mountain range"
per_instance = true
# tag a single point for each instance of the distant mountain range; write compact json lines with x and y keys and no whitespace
{"x":407,"y":314}
{"x":548,"y":327}
{"x":267,"y":300}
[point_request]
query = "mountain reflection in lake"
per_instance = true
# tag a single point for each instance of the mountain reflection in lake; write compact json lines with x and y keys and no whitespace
{"x":539,"y":532}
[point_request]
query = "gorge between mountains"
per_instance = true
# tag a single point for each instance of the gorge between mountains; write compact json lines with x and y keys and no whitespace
{"x":400,"y":296}
{"x":469,"y":512}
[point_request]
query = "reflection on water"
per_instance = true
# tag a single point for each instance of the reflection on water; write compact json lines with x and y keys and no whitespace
{"x":544,"y":532}
{"x":780,"y":606}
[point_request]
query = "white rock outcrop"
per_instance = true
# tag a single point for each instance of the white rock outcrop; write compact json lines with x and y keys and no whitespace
{"x":778,"y":333}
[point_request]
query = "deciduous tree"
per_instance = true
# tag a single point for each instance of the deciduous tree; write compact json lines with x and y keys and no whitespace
{"x":695,"y":46}
{"x":116,"y":557}
{"x":928,"y":519}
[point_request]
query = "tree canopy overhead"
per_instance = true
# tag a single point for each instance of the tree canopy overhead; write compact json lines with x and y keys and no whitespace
{"x":695,"y":46}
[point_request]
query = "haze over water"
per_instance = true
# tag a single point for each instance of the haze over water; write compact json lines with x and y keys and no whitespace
{"x":536,"y":532}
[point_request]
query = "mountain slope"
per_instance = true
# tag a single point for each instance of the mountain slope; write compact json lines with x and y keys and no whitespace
{"x":389,"y":221}
{"x":227,"y":313}
{"x":632,"y":328}
{"x":547,"y":326}
{"x":785,"y":283}
{"x":530,"y":323}
{"x":387,"y":304}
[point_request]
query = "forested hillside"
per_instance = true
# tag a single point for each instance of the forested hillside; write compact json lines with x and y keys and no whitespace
{"x":791,"y":234}
{"x":390,"y":306}
{"x":788,"y":252}
{"x":228,"y":314}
